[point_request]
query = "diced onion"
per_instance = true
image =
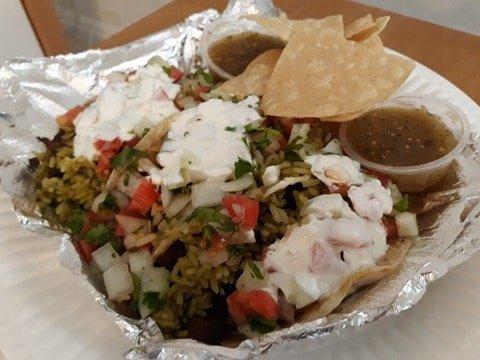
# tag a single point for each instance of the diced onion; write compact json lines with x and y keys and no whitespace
{"x":143,"y":125}
{"x":98,"y":200}
{"x":165,"y":196}
{"x":132,"y":224}
{"x":207,"y":194}
{"x":140,"y":260}
{"x":134,"y":241}
{"x":155,"y":280}
{"x":122,"y":199}
{"x":333,"y":147}
{"x":299,"y":130}
{"x":406,"y":224}
{"x":283,"y":184}
{"x":238,"y":185}
{"x":118,"y":282}
{"x":129,"y":182}
{"x":177,"y":205}
{"x":106,"y":256}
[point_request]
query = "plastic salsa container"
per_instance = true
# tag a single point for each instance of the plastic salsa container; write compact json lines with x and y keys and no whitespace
{"x":417,"y":178}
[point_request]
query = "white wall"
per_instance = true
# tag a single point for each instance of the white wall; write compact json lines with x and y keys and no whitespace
{"x":16,"y":35}
{"x":462,"y":15}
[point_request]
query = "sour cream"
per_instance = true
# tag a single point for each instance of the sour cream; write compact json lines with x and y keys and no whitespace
{"x":371,"y":200}
{"x":312,"y":260}
{"x":204,"y":142}
{"x":145,"y":96}
{"x":335,"y":170}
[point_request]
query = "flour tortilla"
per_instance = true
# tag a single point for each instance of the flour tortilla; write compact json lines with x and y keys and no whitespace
{"x":153,"y":140}
{"x":254,"y":79}
{"x":321,"y":74}
{"x":388,"y":263}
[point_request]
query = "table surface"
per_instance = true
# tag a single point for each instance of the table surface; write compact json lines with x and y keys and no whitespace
{"x":453,"y":54}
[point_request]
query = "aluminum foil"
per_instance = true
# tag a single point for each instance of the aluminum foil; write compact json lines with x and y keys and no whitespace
{"x":34,"y":91}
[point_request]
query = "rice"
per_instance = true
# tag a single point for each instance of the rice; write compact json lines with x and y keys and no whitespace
{"x":66,"y":183}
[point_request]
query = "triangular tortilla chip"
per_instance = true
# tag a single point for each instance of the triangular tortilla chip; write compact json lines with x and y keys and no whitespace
{"x":358,"y":26}
{"x":389,"y":262}
{"x":321,"y":75}
{"x":283,"y":27}
{"x":255,"y":77}
{"x":280,"y":26}
{"x":376,"y":28}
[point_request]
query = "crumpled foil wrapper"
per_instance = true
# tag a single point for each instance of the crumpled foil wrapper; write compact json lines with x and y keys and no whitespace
{"x":34,"y":91}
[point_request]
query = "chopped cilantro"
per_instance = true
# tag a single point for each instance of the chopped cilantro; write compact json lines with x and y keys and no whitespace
{"x":263,"y":142}
{"x":291,"y":153}
{"x":236,"y":249}
{"x":213,"y":217}
{"x":136,"y":291}
{"x":252,"y":127}
{"x":273,"y":133}
{"x":128,"y":157}
{"x":153,"y":301}
{"x":126,"y":179}
{"x":208,"y":231}
{"x":402,"y":204}
{"x":255,"y":270}
{"x":206,"y":76}
{"x":262,"y":326}
{"x":167,"y":69}
{"x":230,"y":128}
{"x":245,"y":141}
{"x":76,"y":221}
{"x":110,"y":203}
{"x":100,"y":235}
{"x":243,"y":167}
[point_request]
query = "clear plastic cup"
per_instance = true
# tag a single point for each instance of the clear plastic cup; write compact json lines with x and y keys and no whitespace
{"x":221,"y":29}
{"x":418,"y":177}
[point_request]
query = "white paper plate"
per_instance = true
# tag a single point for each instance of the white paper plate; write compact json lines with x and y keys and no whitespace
{"x":48,"y":313}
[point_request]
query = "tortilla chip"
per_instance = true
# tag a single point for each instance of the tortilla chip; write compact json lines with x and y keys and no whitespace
{"x":280,"y":26}
{"x":376,"y":28}
{"x":359,"y":26}
{"x":321,"y":74}
{"x":255,"y":77}
{"x":343,"y":117}
{"x":388,"y":263}
{"x":283,"y":28}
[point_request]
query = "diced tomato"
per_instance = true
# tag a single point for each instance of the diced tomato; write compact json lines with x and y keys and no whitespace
{"x":114,"y":145}
{"x":200,"y":90}
{"x":119,"y":231}
{"x":283,"y":143}
{"x":70,"y":115}
{"x":131,"y":210}
{"x":95,"y":218}
{"x":144,"y":196}
{"x":103,"y":165}
{"x":242,"y":210}
{"x":285,"y":124}
{"x":218,"y":243}
{"x":257,"y":303}
{"x":340,"y":189}
{"x":382,"y":177}
{"x":391,"y":229}
{"x":175,"y":73}
{"x":133,"y":142}
{"x":86,"y":249}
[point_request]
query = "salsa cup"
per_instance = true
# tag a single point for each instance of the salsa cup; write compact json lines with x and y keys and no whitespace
{"x":418,"y":177}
